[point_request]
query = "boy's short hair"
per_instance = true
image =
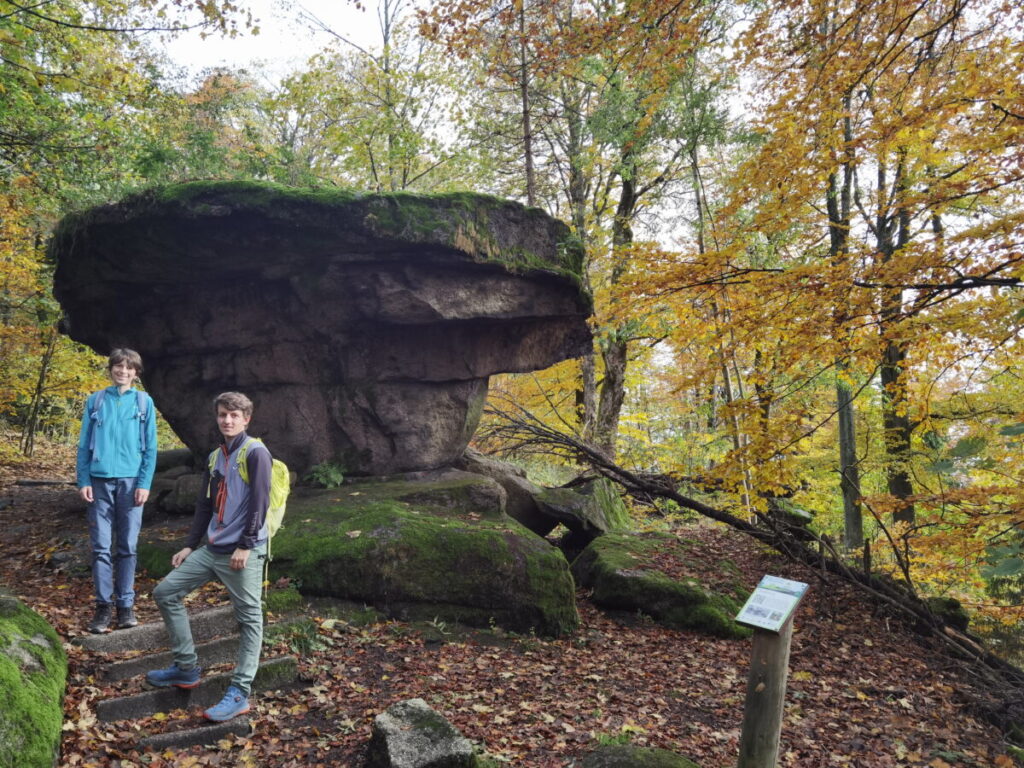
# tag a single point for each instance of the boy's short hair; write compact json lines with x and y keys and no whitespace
{"x":233,"y":401}
{"x":124,"y":355}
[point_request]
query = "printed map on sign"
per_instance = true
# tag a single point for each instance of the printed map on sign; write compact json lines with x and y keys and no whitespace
{"x":772,"y":603}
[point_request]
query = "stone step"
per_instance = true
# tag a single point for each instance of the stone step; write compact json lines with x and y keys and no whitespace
{"x":273,"y":673}
{"x":218,"y":651}
{"x":204,"y":733}
{"x":207,"y":623}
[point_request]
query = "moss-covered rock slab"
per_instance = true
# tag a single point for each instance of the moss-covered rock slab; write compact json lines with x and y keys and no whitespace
{"x":33,"y":671}
{"x":652,"y":574}
{"x":363,"y":326}
{"x":629,"y":756}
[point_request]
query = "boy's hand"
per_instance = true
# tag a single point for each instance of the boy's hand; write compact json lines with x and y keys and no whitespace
{"x":86,"y":493}
{"x":179,"y":557}
{"x":141,"y":494}
{"x":239,"y":558}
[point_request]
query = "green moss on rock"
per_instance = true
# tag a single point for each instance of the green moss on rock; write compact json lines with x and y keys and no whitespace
{"x":622,"y":571}
{"x":418,"y":564}
{"x":486,"y":228}
{"x":33,"y":672}
{"x":629,"y":756}
{"x":949,"y":610}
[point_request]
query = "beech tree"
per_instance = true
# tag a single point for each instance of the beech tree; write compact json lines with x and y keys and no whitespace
{"x":613,"y":119}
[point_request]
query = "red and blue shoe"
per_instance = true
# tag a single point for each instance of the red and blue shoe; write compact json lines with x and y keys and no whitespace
{"x":174,"y":675}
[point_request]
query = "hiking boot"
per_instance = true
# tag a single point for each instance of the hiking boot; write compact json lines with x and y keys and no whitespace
{"x":101,"y":619}
{"x":174,"y":675}
{"x":126,"y":617}
{"x":232,"y":705}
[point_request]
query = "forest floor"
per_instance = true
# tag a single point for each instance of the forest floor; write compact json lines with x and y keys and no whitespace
{"x":864,"y":689}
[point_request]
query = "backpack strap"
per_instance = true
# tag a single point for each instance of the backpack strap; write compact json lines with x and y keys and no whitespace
{"x":243,"y":468}
{"x":141,"y":406}
{"x":95,"y":420}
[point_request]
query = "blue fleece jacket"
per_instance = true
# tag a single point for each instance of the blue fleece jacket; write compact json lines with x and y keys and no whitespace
{"x":118,"y":450}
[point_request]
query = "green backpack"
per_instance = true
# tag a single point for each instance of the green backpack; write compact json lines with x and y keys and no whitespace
{"x":279,"y":486}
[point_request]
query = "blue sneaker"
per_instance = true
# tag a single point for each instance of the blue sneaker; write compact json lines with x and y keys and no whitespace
{"x":174,"y":675}
{"x":232,"y":705}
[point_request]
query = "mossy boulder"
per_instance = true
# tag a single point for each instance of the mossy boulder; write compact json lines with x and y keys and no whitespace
{"x":363,"y":326}
{"x":418,"y":547}
{"x":629,"y":756}
{"x":33,"y":671}
{"x":410,"y":734}
{"x":654,"y":574}
{"x":587,"y":509}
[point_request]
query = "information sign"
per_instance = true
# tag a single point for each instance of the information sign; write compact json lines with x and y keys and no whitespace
{"x":772,"y":603}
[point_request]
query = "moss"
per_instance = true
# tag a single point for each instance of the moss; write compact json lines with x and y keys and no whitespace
{"x":470,"y":222}
{"x":154,"y":557}
{"x":33,"y":671}
{"x":620,"y":569}
{"x":628,"y":756}
{"x":284,"y":600}
{"x":949,"y":610}
{"x":421,"y":565}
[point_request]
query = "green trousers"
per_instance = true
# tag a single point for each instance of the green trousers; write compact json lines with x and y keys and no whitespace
{"x":243,"y":587}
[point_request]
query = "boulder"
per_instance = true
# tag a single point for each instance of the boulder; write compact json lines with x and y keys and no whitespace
{"x":364,"y":327}
{"x":416,"y":547}
{"x":588,"y":509}
{"x":33,"y":670}
{"x":521,"y":494}
{"x":629,"y":756}
{"x":410,"y":734}
{"x":625,"y":572}
{"x":179,"y":459}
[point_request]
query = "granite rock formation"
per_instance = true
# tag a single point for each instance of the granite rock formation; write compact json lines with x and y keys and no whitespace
{"x":364,"y":327}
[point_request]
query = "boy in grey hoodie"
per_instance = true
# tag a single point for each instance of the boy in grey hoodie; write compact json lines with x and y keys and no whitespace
{"x":231,"y":512}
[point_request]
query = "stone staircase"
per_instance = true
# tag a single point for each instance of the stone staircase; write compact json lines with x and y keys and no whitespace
{"x":135,"y":651}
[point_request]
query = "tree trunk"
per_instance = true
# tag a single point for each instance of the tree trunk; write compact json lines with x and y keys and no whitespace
{"x":615,"y":346}
{"x":28,"y":433}
{"x":524,"y":95}
{"x":849,"y":473}
{"x":586,"y":397}
{"x":896,"y":424}
{"x":839,"y":205}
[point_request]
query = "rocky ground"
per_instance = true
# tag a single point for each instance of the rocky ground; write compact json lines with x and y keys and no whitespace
{"x":864,"y":689}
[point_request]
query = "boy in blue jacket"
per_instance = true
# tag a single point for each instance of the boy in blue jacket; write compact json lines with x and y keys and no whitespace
{"x":115,"y":467}
{"x":231,"y":513}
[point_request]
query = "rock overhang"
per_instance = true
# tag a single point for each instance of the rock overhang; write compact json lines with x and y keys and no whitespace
{"x":365,"y":326}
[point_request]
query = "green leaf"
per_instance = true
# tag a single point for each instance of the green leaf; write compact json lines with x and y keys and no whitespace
{"x":941,"y":466}
{"x":968,"y":446}
{"x":1012,"y":566}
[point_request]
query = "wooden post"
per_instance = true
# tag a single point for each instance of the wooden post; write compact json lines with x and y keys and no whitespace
{"x":766,"y":694}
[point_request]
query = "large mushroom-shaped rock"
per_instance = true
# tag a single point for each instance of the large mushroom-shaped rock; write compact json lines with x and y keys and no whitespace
{"x":364,"y":327}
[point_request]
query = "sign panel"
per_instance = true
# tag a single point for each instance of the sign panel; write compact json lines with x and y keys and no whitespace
{"x":772,"y":603}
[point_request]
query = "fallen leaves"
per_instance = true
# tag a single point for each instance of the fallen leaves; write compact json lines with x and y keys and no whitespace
{"x":860,"y":694}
